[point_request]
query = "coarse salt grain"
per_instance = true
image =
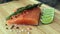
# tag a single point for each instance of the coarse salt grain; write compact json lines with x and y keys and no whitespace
{"x":29,"y":28}
{"x":28,"y":32}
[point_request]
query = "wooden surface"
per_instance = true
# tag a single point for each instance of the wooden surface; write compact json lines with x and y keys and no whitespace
{"x":53,"y":28}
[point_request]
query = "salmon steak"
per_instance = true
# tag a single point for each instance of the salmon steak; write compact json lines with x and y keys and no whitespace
{"x":27,"y":17}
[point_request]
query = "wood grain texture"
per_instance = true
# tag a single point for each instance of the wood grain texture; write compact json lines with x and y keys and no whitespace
{"x":53,"y":28}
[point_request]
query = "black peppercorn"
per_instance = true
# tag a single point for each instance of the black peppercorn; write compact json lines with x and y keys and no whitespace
{"x":12,"y":27}
{"x":6,"y":28}
{"x":17,"y":27}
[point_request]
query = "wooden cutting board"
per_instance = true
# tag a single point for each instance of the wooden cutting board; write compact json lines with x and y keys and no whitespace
{"x":53,"y":28}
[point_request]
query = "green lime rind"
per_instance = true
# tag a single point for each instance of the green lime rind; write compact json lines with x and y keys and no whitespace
{"x":47,"y":16}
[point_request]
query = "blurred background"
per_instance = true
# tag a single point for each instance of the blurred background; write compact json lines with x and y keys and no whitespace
{"x":52,"y":3}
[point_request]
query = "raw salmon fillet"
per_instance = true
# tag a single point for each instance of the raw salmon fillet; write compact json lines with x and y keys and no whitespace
{"x":28,"y":17}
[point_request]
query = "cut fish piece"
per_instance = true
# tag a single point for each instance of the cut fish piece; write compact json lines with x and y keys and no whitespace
{"x":28,"y":17}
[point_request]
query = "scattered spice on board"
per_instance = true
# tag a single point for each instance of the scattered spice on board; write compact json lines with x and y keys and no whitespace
{"x":6,"y":28}
{"x":6,"y":25}
{"x":12,"y":27}
{"x":17,"y":27}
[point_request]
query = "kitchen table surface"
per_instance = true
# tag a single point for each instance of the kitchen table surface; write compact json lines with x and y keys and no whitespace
{"x":53,"y":28}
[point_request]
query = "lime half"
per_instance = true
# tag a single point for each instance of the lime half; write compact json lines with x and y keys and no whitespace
{"x":47,"y":15}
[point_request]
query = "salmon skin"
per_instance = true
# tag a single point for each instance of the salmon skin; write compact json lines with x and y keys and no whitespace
{"x":27,"y":17}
